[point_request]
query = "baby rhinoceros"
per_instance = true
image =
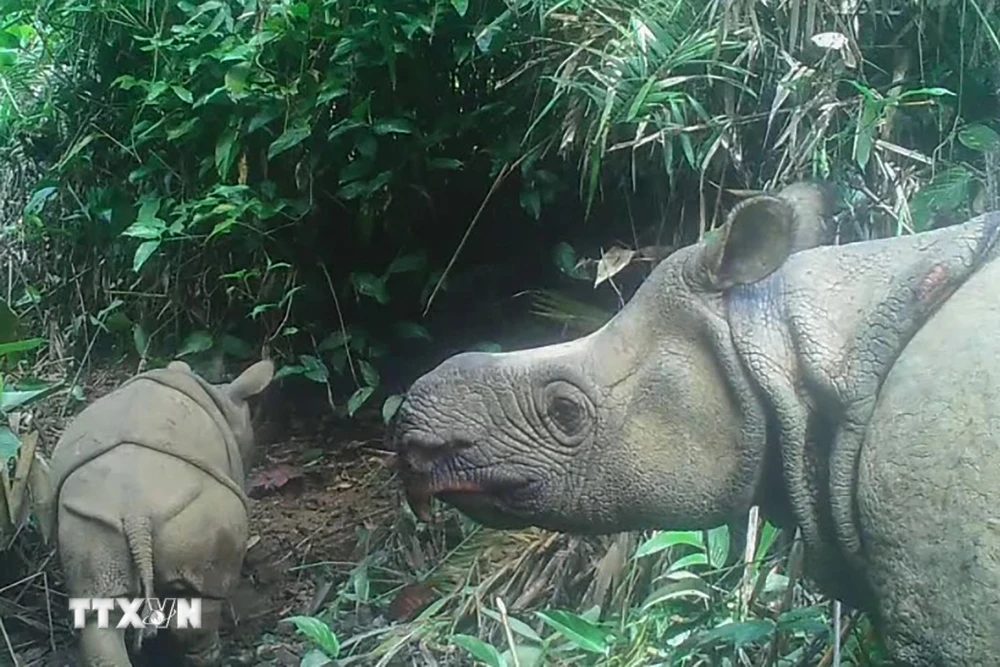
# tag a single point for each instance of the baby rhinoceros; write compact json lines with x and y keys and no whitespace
{"x":148,"y":484}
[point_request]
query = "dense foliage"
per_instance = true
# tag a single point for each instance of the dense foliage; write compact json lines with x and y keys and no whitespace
{"x":325,"y":177}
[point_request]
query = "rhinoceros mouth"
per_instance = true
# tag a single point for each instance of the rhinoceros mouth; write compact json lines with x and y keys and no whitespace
{"x":487,"y":496}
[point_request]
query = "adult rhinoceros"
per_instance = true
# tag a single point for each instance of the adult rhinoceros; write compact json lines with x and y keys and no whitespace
{"x":851,"y":390}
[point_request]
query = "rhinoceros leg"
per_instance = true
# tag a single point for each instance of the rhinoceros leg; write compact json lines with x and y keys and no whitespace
{"x":929,"y":487}
{"x":201,"y":647}
{"x":103,"y":647}
{"x":200,"y":551}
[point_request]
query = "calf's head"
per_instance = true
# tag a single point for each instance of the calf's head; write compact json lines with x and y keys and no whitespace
{"x":232,"y":399}
{"x":650,"y":421}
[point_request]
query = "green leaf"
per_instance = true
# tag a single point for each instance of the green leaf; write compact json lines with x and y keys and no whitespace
{"x":718,"y":545}
{"x":392,"y":126}
{"x":367,"y":284}
{"x":668,"y":538}
{"x":531,"y":202}
{"x":319,"y":632}
{"x":578,"y":630}
{"x":291,"y":137}
{"x":516,"y":625}
{"x":143,"y":253}
{"x":369,"y":373}
{"x":358,"y":399}
{"x":183,"y":93}
{"x":197,"y":341}
{"x":315,"y":658}
{"x":390,"y":406}
{"x":236,"y":347}
{"x":140,"y":339}
{"x":225,"y":152}
{"x":978,"y":137}
{"x":334,"y":340}
{"x":737,"y":634}
{"x":479,"y":649}
{"x":411,"y":330}
{"x":9,"y":446}
{"x":20,"y":346}
{"x":461,"y":6}
{"x":947,"y":191}
{"x":11,"y":400}
{"x":314,"y":368}
{"x":407,"y":263}
{"x":147,"y":226}
{"x":685,"y":585}
{"x":864,"y":136}
{"x":445,"y":164}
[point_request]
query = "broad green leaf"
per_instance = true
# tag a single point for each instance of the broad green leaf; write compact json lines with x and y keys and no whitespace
{"x":20,"y":346}
{"x":445,"y":164}
{"x":13,"y":399}
{"x":668,"y":538}
{"x":147,"y":225}
{"x":461,"y":6}
{"x":687,"y":586}
{"x":718,"y":545}
{"x":225,"y":152}
{"x":392,"y":126}
{"x":407,"y":263}
{"x":978,"y":137}
{"x":334,"y":340}
{"x":531,"y":202}
{"x":811,"y":620}
{"x":315,"y":658}
{"x":9,"y":445}
{"x":947,"y":191}
{"x":143,"y":253}
{"x":319,"y":632}
{"x":516,"y":625}
{"x":578,"y":630}
{"x":737,"y":634}
{"x":411,"y":330}
{"x":367,"y":284}
{"x":864,"y":135}
{"x":480,"y":650}
{"x":140,"y":339}
{"x":236,"y":347}
{"x":314,"y":367}
{"x":358,"y":399}
{"x":390,"y":406}
{"x":369,"y":373}
{"x":183,"y":93}
{"x":292,"y":137}
{"x":690,"y":560}
{"x":197,"y":341}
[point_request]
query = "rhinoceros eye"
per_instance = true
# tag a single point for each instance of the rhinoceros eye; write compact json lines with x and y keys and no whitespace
{"x":567,"y":412}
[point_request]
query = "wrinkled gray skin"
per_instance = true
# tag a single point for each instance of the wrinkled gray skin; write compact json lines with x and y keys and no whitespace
{"x":851,"y":390}
{"x":148,"y":482}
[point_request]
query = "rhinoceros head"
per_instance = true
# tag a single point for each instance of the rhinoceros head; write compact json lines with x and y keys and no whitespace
{"x":651,"y":421}
{"x":232,"y":399}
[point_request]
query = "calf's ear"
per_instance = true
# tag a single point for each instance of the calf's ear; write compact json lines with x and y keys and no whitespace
{"x":754,"y":242}
{"x":252,"y":381}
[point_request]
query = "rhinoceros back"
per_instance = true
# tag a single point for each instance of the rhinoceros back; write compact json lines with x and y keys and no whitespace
{"x":929,"y":483}
{"x":162,"y":410}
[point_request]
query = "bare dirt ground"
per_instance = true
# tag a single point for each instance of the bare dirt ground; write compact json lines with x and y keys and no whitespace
{"x":318,"y":482}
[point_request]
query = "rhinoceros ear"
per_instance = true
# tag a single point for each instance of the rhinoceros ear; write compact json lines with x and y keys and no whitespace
{"x":178,"y":365}
{"x":252,"y":381}
{"x":755,"y":241}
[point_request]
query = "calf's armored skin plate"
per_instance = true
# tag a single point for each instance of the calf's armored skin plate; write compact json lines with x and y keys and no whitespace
{"x":762,"y":366}
{"x":147,"y":490}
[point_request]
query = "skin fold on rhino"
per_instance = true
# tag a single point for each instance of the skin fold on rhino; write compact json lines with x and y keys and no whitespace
{"x":853,"y":391}
{"x":148,"y":490}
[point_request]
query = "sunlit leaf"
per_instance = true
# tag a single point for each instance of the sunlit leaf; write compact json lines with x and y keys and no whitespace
{"x":578,"y":630}
{"x":479,"y":649}
{"x":390,"y":406}
{"x":317,"y":631}
{"x":197,"y":341}
{"x":358,"y":399}
{"x":666,"y":539}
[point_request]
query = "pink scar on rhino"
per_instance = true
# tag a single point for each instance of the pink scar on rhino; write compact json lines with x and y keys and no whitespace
{"x":930,"y":287}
